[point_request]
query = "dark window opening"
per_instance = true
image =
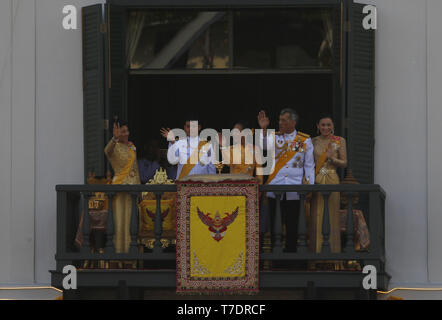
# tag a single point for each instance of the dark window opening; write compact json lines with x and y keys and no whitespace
{"x":239,"y":39}
{"x":157,"y":101}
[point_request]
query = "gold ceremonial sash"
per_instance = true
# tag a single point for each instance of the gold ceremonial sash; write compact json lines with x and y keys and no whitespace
{"x":188,"y":166}
{"x":323,"y":157}
{"x":282,"y":160}
{"x":119,"y":178}
{"x":285,"y":157}
{"x":321,"y":161}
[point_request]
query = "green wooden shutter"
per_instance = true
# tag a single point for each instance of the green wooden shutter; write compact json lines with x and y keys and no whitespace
{"x":116,"y":66}
{"x":338,"y":70}
{"x":360,"y":98}
{"x":93,"y":89}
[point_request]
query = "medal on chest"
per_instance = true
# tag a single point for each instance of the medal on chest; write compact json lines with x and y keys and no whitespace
{"x":280,"y":142}
{"x":298,"y":163}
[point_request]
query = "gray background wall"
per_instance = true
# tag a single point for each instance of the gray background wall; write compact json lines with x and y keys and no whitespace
{"x":434,"y":142}
{"x":400,"y":133}
{"x":41,"y":137}
{"x":17,"y":142}
{"x":41,"y":131}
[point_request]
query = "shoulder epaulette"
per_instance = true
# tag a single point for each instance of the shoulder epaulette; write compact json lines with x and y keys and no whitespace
{"x":278,"y":133}
{"x":305,"y":135}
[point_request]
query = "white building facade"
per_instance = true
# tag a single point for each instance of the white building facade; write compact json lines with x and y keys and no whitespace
{"x":41,"y":134}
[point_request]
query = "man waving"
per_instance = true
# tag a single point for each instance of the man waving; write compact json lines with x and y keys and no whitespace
{"x":294,"y":165}
{"x":193,"y":155}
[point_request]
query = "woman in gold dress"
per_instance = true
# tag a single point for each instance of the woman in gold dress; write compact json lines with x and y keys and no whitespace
{"x":248,"y":163}
{"x":330,"y":153}
{"x":122,"y":156}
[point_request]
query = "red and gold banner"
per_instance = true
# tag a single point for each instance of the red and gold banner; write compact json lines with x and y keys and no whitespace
{"x":218,"y":237}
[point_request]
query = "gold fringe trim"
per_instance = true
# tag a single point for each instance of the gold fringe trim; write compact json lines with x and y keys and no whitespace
{"x":218,"y":293}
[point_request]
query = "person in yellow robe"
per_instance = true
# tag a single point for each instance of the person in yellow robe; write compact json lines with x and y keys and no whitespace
{"x":122,"y":157}
{"x":330,"y":153}
{"x":247,"y":151}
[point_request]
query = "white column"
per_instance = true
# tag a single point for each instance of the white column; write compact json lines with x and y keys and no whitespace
{"x":23,"y":143}
{"x":434,"y":129}
{"x":401,"y":133}
{"x":59,"y":152}
{"x":5,"y":138}
{"x":17,"y":141}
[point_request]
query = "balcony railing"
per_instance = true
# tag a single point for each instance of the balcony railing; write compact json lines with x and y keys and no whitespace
{"x":72,"y":200}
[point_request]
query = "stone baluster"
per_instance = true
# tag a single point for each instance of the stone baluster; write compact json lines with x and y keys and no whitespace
{"x":110,"y":230}
{"x":86,"y":230}
{"x":158,"y":227}
{"x":350,"y":246}
{"x":277,"y":227}
{"x":326,"y":224}
{"x":302,"y":226}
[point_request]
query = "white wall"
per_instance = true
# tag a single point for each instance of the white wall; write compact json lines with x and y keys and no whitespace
{"x":41,"y":133}
{"x":408,"y":139}
{"x":5,"y":139}
{"x":434,"y":131}
{"x":400,"y":133}
{"x":17,"y":131}
{"x":59,"y":123}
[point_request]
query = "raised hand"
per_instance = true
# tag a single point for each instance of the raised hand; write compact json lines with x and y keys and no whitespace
{"x":165,"y":132}
{"x":263,"y":120}
{"x":117,"y":131}
{"x":329,"y":151}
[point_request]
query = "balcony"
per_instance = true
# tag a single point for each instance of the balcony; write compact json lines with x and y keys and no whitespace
{"x":155,"y":266}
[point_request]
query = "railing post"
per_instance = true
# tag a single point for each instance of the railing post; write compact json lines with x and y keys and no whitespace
{"x":350,"y":245}
{"x":85,"y":248}
{"x":325,"y":224}
{"x":302,"y":229}
{"x":110,"y":247}
{"x":277,"y":227}
{"x":158,"y":227}
{"x":382,"y":218}
{"x":375,"y":226}
{"x":134,"y":224}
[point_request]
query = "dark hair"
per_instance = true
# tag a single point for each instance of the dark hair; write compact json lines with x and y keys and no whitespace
{"x":291,"y":112}
{"x":193,"y":116}
{"x":122,"y":123}
{"x":325,"y":116}
{"x":243,"y":124}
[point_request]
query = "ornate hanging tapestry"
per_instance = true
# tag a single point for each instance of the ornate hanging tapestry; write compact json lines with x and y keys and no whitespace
{"x":217,"y":236}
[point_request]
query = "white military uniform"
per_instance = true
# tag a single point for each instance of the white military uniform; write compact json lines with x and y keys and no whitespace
{"x":301,"y":165}
{"x":183,"y":149}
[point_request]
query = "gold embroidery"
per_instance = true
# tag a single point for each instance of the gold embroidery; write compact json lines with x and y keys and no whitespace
{"x":198,"y":268}
{"x":323,"y":171}
{"x":237,"y":267}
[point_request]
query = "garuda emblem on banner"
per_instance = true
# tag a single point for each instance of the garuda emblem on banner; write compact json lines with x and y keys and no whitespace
{"x":152,"y":215}
{"x":217,"y":226}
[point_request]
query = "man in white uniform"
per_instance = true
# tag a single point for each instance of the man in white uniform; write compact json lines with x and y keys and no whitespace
{"x":191,"y":148}
{"x":294,"y":165}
